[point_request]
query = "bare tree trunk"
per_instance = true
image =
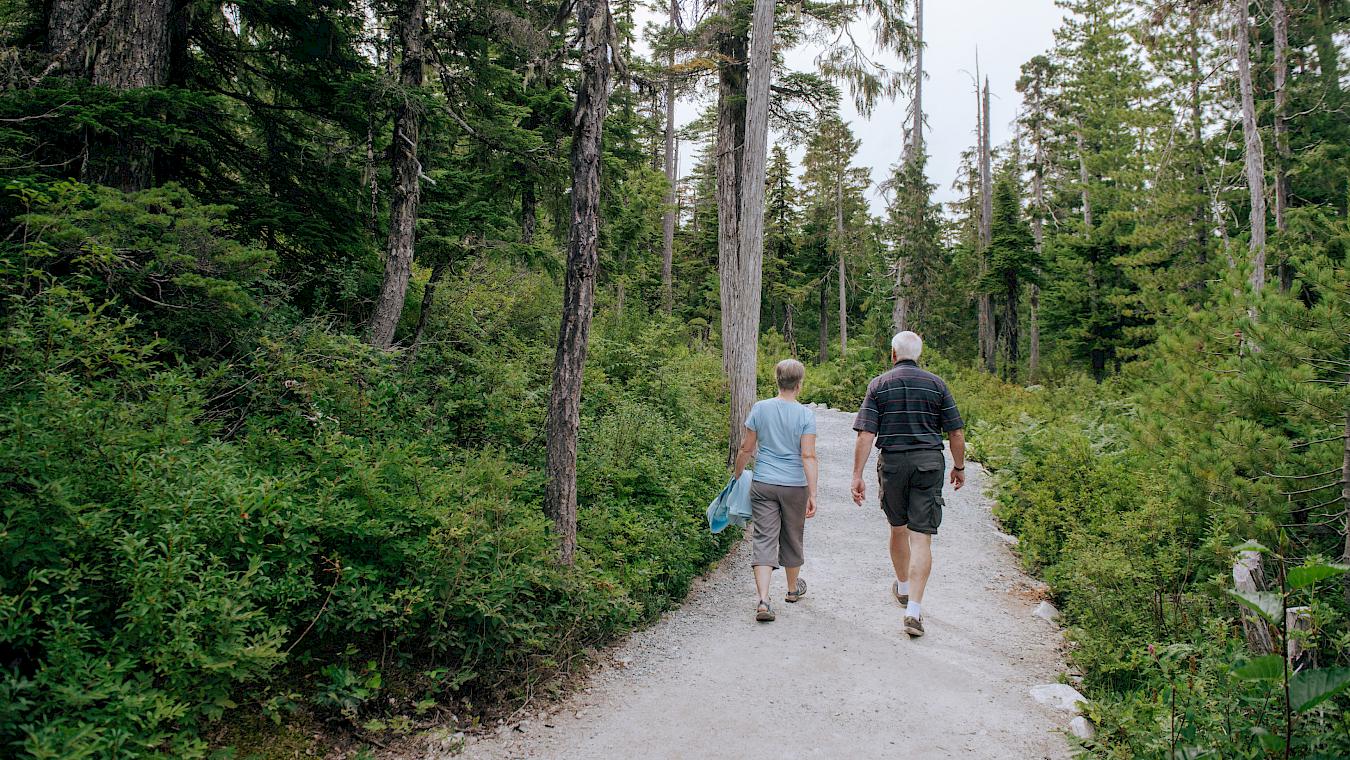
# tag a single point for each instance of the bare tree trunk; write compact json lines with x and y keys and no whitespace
{"x":913,"y":152}
{"x":742,"y":267}
{"x":1249,"y":577}
{"x":1034,"y":336}
{"x":789,"y":329}
{"x":1255,"y":153}
{"x":1345,"y":497}
{"x":529,"y":211}
{"x":71,"y":24}
{"x":131,"y":42}
{"x":438,"y":271}
{"x":739,"y":270}
{"x":988,"y":344}
{"x":407,"y":171}
{"x":839,"y":251}
{"x":668,"y":222}
{"x":564,"y":401}
{"x":1282,"y":155}
{"x":1201,"y":216}
{"x":823,"y":347}
{"x":1083,"y":181}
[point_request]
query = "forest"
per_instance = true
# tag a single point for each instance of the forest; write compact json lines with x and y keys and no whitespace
{"x":367,"y":364}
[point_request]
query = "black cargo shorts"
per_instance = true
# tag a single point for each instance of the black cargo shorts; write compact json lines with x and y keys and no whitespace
{"x":911,"y":488}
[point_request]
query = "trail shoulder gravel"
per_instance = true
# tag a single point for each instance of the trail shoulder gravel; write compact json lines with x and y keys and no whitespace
{"x":834,"y":676}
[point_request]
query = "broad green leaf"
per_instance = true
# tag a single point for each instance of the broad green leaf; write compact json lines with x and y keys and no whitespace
{"x":1251,"y":546}
{"x":1267,"y":604}
{"x":1312,"y":573}
{"x":1267,"y":668}
{"x":1311,"y":687}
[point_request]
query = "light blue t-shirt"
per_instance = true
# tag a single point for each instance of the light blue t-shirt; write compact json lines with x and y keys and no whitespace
{"x":779,"y":425}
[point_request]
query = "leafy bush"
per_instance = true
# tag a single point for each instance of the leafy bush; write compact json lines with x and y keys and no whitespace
{"x":312,"y":525}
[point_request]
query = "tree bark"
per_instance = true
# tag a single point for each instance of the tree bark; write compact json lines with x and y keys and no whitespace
{"x":70,"y":27}
{"x":839,"y":251}
{"x":564,"y":401}
{"x":1253,"y":150}
{"x":1345,"y":498}
{"x":407,"y":171}
{"x":1034,"y":336}
{"x":823,"y":347}
{"x":913,"y":152}
{"x":742,"y":108}
{"x":1197,"y":138}
{"x":529,"y":211}
{"x":131,"y":48}
{"x":988,"y":344}
{"x":438,"y":271}
{"x":668,"y":221}
{"x":1280,"y":11}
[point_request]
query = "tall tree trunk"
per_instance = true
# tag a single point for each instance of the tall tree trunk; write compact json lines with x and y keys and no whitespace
{"x":529,"y":211}
{"x":988,"y":344}
{"x":71,"y":25}
{"x":740,"y":270}
{"x":1084,"y":190}
{"x":1201,"y":215}
{"x":823,"y":347}
{"x":564,"y":401}
{"x":1034,"y":336}
{"x":131,"y":42}
{"x":913,"y":153}
{"x":1254,"y":152}
{"x":1345,"y":497}
{"x":1011,"y":298}
{"x":1282,"y":155}
{"x":789,"y":329}
{"x":438,"y":271}
{"x":839,"y":251}
{"x":668,"y":221}
{"x":407,"y":171}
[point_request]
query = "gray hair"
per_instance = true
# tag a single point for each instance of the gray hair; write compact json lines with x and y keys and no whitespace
{"x":907,"y":345}
{"x":789,"y":374}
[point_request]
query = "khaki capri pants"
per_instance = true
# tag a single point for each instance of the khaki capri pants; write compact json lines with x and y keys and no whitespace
{"x":779,"y":514}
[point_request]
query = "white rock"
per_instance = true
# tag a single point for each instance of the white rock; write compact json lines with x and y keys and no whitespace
{"x":1082,"y":728}
{"x":1060,"y":696}
{"x":1010,"y":540}
{"x":1046,"y":611}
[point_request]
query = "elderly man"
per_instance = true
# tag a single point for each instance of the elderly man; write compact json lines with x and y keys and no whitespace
{"x":904,"y":414}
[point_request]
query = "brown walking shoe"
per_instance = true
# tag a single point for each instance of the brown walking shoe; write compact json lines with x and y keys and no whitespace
{"x":796,"y":593}
{"x":903,"y":599}
{"x":913,"y":626}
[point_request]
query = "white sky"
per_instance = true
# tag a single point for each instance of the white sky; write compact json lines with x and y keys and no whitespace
{"x":1006,"y":34}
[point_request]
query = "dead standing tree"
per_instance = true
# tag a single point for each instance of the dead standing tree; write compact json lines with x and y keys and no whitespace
{"x":407,"y":175}
{"x":742,"y":151}
{"x":564,"y":401}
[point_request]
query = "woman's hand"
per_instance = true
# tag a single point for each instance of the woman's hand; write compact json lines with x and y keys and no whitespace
{"x":810,"y":506}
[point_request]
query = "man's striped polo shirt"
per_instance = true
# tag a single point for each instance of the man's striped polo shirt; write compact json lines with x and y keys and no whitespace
{"x":909,"y":409}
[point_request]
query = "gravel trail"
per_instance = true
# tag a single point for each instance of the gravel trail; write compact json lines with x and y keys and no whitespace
{"x":834,"y":676}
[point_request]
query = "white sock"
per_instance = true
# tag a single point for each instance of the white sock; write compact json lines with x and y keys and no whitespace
{"x":912,"y":610}
{"x":904,"y":587}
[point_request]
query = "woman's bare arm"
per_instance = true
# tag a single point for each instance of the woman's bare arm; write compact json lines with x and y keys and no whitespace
{"x":749,"y":444}
{"x":812,"y":467}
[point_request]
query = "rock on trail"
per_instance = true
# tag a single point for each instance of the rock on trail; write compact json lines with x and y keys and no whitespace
{"x":834,"y":676}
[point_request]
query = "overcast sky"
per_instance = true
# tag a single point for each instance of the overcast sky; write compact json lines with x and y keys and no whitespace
{"x":1006,"y":34}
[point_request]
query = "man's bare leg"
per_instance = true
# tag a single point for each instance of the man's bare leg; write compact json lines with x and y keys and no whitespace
{"x":920,"y":564}
{"x":792,"y":573}
{"x":900,"y":552}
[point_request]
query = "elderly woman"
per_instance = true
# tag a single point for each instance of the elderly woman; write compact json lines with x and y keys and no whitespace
{"x":780,"y":436}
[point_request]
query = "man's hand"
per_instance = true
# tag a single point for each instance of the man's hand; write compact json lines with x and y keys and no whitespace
{"x":810,"y":506}
{"x":859,"y":490}
{"x":958,"y":479}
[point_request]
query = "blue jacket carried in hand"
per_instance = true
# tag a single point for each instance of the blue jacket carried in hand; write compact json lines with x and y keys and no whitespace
{"x":732,"y":506}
